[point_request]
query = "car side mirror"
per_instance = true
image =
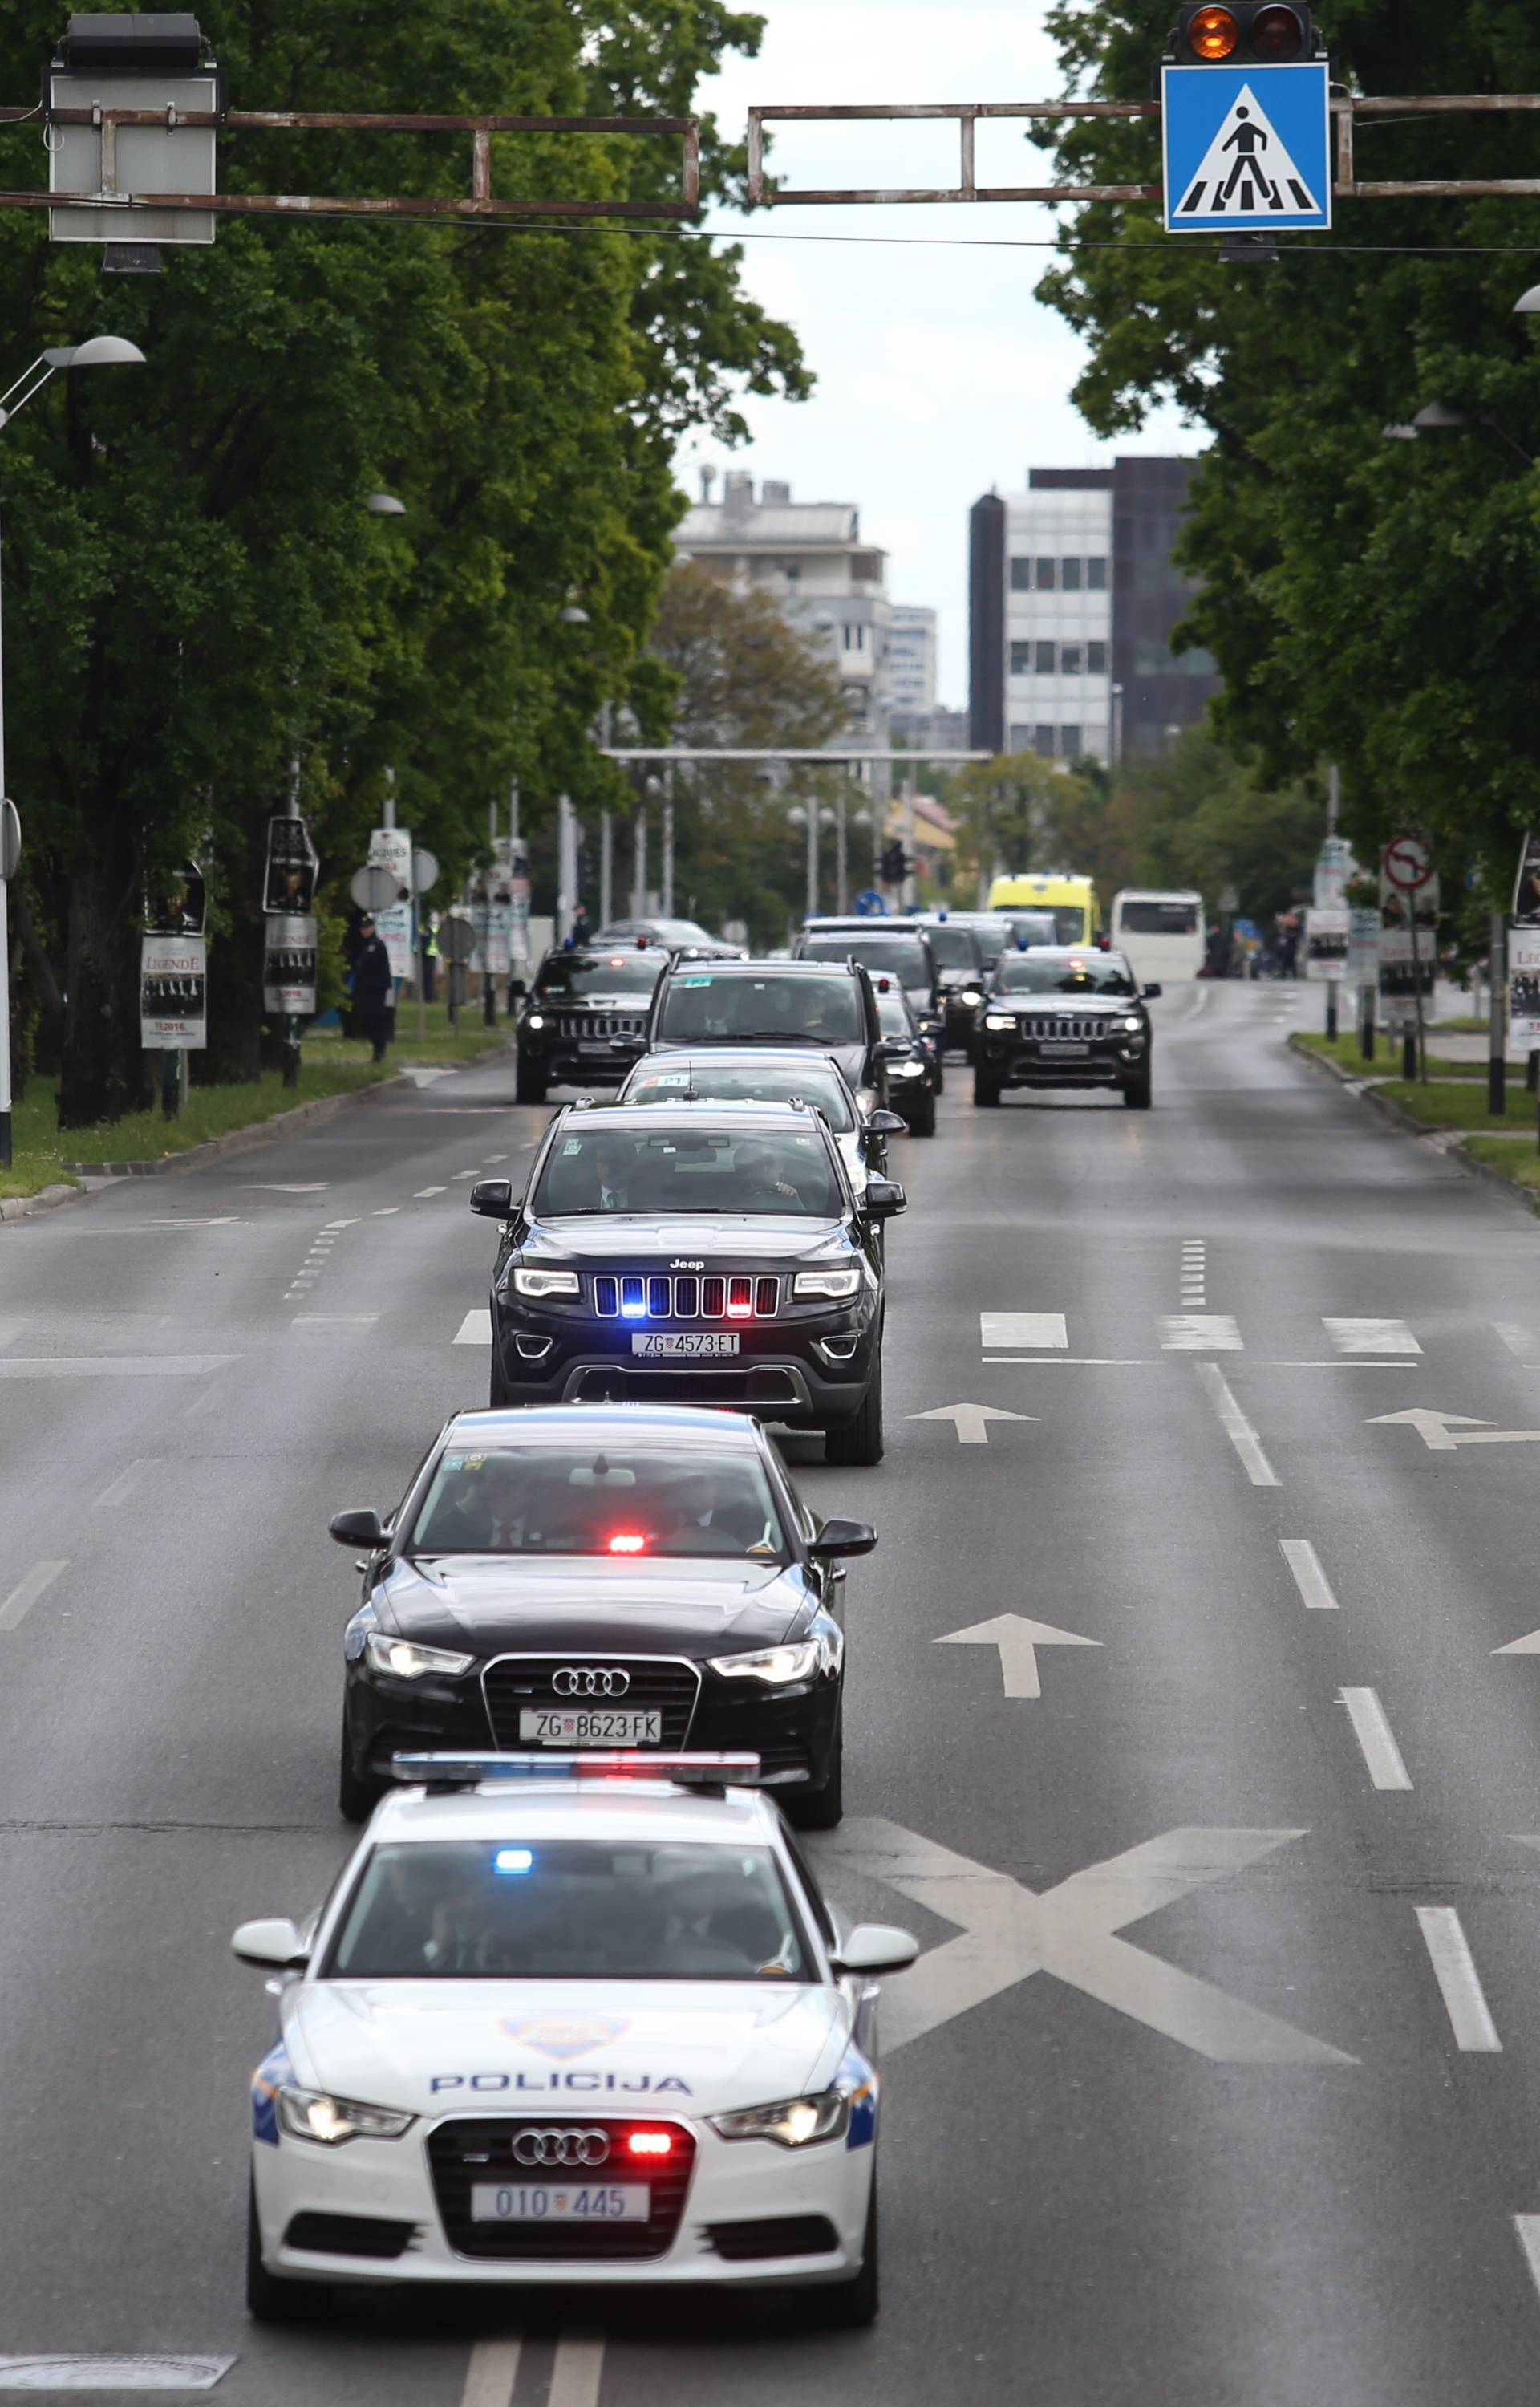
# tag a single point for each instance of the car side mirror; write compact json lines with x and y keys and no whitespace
{"x":358,"y":1529}
{"x":494,"y":1198}
{"x":272,"y":1943}
{"x":1150,"y":991}
{"x":884,"y":1123}
{"x":870,"y":1947}
{"x":842,"y":1538}
{"x":884,"y":1199}
{"x":517,"y":989}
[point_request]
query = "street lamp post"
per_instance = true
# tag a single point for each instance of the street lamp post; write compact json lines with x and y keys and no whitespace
{"x":99,"y":352}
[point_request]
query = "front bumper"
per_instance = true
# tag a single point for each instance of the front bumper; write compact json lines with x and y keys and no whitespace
{"x":734,"y":2186}
{"x":1022,"y":1062}
{"x":808,"y":1369}
{"x":565,"y":1062}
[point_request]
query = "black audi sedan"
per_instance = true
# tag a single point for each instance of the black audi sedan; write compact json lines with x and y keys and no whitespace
{"x":622,"y":1576}
{"x":1065,"y":1015}
{"x":581,"y":1023}
{"x":706,"y":1254}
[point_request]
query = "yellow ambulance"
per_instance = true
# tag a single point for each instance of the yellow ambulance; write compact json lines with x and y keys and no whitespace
{"x":1076,"y":918}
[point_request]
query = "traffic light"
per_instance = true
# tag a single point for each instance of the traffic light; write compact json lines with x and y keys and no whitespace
{"x":1245,"y":32}
{"x":895,"y":864}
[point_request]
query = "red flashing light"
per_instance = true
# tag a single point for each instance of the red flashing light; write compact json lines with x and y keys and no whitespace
{"x":617,"y":961}
{"x":737,"y":1311}
{"x":628,"y":1541}
{"x":650,"y":2143}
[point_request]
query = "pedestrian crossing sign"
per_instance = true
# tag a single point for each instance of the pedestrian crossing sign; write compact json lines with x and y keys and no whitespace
{"x":1247,"y":148}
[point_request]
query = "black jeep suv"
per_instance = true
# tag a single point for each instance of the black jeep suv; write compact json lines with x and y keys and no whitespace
{"x":1064,"y":1017}
{"x":828,"y":1004}
{"x":697,"y":1254}
{"x":581,"y":1021}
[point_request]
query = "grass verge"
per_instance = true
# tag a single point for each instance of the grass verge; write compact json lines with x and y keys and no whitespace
{"x":423,"y":1034}
{"x":1346,"y":1052}
{"x":1506,"y":1154}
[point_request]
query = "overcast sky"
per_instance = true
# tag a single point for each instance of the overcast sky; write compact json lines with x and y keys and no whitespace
{"x":939,"y":375}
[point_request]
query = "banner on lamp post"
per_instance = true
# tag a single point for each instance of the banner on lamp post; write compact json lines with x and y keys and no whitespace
{"x":172,"y":993}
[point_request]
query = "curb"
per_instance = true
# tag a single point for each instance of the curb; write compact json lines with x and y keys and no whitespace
{"x":321,"y":1107}
{"x":1455,"y":1152}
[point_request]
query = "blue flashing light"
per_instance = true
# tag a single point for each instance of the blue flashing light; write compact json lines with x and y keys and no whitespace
{"x":512,"y":1860}
{"x":633,"y":1299}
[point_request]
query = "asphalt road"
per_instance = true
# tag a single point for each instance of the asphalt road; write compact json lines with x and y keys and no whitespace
{"x":1218,"y":2082}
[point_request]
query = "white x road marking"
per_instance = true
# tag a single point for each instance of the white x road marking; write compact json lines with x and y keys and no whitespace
{"x":1007,"y":1932}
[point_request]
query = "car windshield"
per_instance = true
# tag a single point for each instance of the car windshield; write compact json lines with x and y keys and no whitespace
{"x":1045,"y":928}
{"x":1151,"y":918}
{"x":600,"y":973}
{"x":570,"y":1910}
{"x":898,"y":957}
{"x":809,"y":1080}
{"x":596,"y":1499}
{"x":954,"y":948}
{"x":892,"y":1010}
{"x":715,"y":1004}
{"x":664,"y":1172}
{"x":1040,"y":972}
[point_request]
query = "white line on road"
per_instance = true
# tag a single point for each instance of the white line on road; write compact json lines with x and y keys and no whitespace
{"x":492,"y":2375}
{"x":495,"y":1157}
{"x":475,"y":1329}
{"x":1309,"y":1578}
{"x":1528,"y":2229}
{"x":577,"y":2372}
{"x":283,"y":1187}
{"x":1370,"y":1337}
{"x":1076,"y":1361}
{"x":1376,"y":1739}
{"x":424,"y":1191}
{"x":123,"y":1486}
{"x":1459,"y":1982}
{"x":1237,"y":1429}
{"x":22,"y":1598}
{"x":62,"y":2372}
{"x":333,"y":1320}
{"x":467,"y":1174}
{"x":386,"y":1212}
{"x":1022,"y":1328}
{"x":1200,"y":1333}
{"x":1200,"y":1002}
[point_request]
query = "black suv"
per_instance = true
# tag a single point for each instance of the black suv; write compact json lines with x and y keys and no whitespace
{"x":582,"y":1020}
{"x":600,"y":1576}
{"x":1061,"y":1016}
{"x":703,"y":1254}
{"x":963,"y":960}
{"x":829,"y":1004}
{"x":895,"y":949}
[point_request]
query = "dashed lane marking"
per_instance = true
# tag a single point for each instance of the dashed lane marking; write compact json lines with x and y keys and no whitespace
{"x":284,"y":1187}
{"x":578,"y":2371}
{"x":386,"y":1212}
{"x":1022,"y":1328}
{"x":423,"y":1193}
{"x":492,"y":2375}
{"x":1459,"y":1982}
{"x":25,"y":1594}
{"x":475,"y":1329}
{"x":1309,"y":1578}
{"x":1371,"y":1336}
{"x":123,"y":1488}
{"x":1237,"y":1429}
{"x":1200,"y":1333}
{"x":467,"y":1174}
{"x":1376,"y":1739}
{"x":333,"y":1320}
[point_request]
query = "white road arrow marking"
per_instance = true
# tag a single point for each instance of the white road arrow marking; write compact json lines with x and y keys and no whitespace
{"x":1436,"y":1429}
{"x":971,"y":1420}
{"x":1007,"y":1932}
{"x":1530,"y":1646}
{"x":475,"y":1329}
{"x":1018,"y":1640}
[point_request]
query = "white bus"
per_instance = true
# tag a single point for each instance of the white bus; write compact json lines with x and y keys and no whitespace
{"x":1162,"y":932}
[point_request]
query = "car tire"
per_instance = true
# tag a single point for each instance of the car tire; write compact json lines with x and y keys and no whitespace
{"x":986,"y":1091}
{"x":270,"y":2298}
{"x":940,"y":1070}
{"x":858,"y":1442}
{"x":852,"y":2305}
{"x":357,"y":1797}
{"x":529,"y":1086}
{"x":923,"y":1122}
{"x":823,"y":1808}
{"x":1140,"y":1093}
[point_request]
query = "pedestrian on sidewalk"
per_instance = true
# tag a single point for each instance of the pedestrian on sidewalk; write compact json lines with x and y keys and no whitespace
{"x":374,"y":987}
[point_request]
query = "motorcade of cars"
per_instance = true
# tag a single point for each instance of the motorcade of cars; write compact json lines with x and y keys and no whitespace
{"x":581,"y":1021}
{"x":1161,"y":932}
{"x":674,"y":935}
{"x":913,"y":1061}
{"x":757,"y":1074}
{"x":636,"y":1575}
{"x":826,"y":1004}
{"x":715,"y":1254}
{"x":1069,"y":1016}
{"x":965,"y":953}
{"x":895,"y":949}
{"x":588,"y":2020}
{"x":1072,"y":900}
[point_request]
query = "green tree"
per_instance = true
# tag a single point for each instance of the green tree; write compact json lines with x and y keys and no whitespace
{"x":1195,"y":816}
{"x":1018,"y":812}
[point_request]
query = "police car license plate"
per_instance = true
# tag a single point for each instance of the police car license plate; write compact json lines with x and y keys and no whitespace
{"x":689,"y":1342}
{"x":1062,"y":1049}
{"x":560,"y":2203}
{"x":589,"y":1048}
{"x":593,"y":1726}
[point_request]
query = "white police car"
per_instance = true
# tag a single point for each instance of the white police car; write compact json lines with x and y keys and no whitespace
{"x":580,"y":2020}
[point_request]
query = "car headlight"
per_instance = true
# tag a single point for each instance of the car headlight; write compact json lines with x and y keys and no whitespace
{"x":1000,"y":1019}
{"x":834,"y":1284}
{"x":1131,"y":1026}
{"x":906,"y":1069}
{"x":792,"y":2123}
{"x":406,"y":1661}
{"x":311,"y":2114}
{"x":971,"y":995}
{"x":777,"y":1667}
{"x":535,"y":1019}
{"x":537,"y":1283}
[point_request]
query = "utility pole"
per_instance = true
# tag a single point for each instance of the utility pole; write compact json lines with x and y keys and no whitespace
{"x":1334,"y":802}
{"x":606,"y":868}
{"x":666,"y":896}
{"x":489,"y":983}
{"x":1497,"y":1017}
{"x":566,"y":874}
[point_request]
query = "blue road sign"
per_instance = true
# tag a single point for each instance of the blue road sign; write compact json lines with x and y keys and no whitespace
{"x":1247,"y":148}
{"x":870,"y":903}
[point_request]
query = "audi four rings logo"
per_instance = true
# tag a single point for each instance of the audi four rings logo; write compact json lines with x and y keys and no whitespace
{"x":579,"y":1681}
{"x":563,"y":2145}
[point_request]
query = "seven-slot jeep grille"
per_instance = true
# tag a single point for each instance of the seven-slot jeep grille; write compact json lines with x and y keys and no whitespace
{"x":736,"y":1296}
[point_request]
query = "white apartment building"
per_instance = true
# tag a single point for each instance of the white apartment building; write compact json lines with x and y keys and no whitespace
{"x":1058,"y":616}
{"x":912,"y":659}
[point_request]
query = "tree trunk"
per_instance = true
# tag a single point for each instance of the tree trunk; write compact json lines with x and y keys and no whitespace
{"x":101,"y":1071}
{"x":39,"y":988}
{"x":235,"y":1052}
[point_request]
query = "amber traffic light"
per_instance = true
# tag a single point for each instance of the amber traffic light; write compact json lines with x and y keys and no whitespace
{"x":1245,"y":32}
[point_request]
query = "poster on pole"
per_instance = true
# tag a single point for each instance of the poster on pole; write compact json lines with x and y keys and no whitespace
{"x":1334,"y":866}
{"x":1398,"y":979}
{"x":288,"y":963}
{"x":1364,"y":949}
{"x":1526,"y":884}
{"x":291,"y":866}
{"x":391,"y":849}
{"x":1326,"y":932}
{"x":172,"y":993}
{"x":518,"y":905}
{"x":1524,"y":989}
